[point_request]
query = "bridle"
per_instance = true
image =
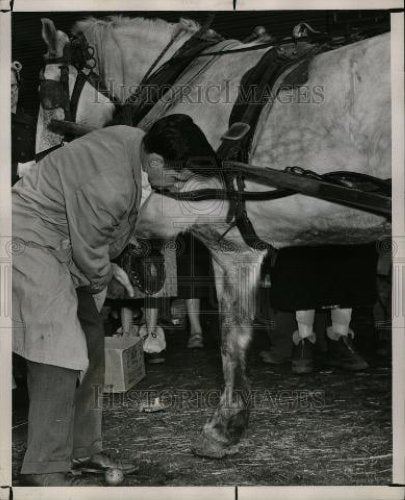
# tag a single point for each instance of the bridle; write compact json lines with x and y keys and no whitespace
{"x":79,"y":54}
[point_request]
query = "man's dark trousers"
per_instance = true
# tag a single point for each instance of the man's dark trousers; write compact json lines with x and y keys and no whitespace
{"x":64,"y":420}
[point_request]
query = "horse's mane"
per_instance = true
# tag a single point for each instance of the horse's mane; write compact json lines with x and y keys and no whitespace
{"x":117,"y":40}
{"x":140,"y":23}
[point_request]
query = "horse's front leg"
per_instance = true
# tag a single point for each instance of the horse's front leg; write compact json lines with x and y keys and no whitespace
{"x":237,"y":277}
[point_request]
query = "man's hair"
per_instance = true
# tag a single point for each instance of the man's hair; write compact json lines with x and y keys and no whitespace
{"x":182,"y":144}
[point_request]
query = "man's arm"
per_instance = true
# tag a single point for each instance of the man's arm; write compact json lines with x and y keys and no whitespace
{"x":95,"y":213}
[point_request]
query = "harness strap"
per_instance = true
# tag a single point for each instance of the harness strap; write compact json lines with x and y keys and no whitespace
{"x":152,"y":90}
{"x":42,"y":154}
{"x":200,"y":32}
{"x":269,"y":72}
{"x":77,"y":90}
{"x":223,"y":194}
{"x":95,"y":81}
{"x":159,"y":57}
{"x":238,"y":150}
{"x":64,"y":78}
{"x":352,"y":189}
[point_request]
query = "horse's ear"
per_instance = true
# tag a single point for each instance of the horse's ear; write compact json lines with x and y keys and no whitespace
{"x":49,"y":34}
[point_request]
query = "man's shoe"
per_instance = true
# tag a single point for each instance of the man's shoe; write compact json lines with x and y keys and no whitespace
{"x":342,"y":354}
{"x":195,"y":341}
{"x":303,"y":357}
{"x":51,"y":479}
{"x":100,"y":462}
{"x":155,"y":358}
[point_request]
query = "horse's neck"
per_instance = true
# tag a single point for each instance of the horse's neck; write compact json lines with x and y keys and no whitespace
{"x":147,"y":48}
{"x":133,"y":54}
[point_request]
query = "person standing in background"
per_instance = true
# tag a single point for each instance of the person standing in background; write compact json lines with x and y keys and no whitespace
{"x":22,"y":128}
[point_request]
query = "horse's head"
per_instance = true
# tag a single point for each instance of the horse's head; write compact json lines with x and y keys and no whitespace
{"x":50,"y":88}
{"x":66,"y":90}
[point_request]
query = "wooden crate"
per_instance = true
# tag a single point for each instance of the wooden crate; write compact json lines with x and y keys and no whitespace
{"x":124,"y":363}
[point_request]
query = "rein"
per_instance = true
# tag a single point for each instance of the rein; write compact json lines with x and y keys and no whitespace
{"x":160,"y":56}
{"x":200,"y":32}
{"x":232,"y":51}
{"x":341,"y":187}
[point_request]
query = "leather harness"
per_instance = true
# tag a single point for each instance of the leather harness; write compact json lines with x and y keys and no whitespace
{"x":235,"y":147}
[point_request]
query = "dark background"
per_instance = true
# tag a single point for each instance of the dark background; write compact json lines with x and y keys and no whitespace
{"x":28,"y":47}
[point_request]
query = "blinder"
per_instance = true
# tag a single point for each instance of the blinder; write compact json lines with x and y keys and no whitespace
{"x":55,"y":94}
{"x":51,"y":94}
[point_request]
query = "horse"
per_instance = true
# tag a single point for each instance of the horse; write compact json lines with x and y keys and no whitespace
{"x":343,"y":125}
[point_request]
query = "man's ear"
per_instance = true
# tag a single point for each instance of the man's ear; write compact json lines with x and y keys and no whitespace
{"x":183,"y":175}
{"x":156,"y":160}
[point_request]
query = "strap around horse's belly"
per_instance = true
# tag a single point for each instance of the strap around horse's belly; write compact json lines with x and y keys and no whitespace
{"x":269,"y":72}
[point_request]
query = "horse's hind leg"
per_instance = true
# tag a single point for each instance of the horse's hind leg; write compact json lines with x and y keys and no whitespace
{"x":237,"y":277}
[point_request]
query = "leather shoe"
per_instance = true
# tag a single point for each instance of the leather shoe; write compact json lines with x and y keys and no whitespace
{"x":342,"y":354}
{"x":155,"y":358}
{"x":100,"y":462}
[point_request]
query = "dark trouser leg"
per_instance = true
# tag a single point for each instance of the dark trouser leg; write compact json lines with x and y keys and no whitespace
{"x":280,"y":336}
{"x":87,"y":438}
{"x":365,"y":333}
{"x":320,"y":325}
{"x":52,"y":392}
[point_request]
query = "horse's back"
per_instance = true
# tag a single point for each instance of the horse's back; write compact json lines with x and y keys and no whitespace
{"x":340,"y":119}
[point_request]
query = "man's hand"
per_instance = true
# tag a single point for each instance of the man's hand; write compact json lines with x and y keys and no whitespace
{"x":122,"y":277}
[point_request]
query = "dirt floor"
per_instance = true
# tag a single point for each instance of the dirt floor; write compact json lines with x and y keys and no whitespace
{"x":327,"y":428}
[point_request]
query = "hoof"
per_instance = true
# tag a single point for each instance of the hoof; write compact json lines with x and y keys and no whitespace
{"x":205,"y":446}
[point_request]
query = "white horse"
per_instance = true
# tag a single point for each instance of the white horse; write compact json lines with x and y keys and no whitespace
{"x":343,"y":125}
